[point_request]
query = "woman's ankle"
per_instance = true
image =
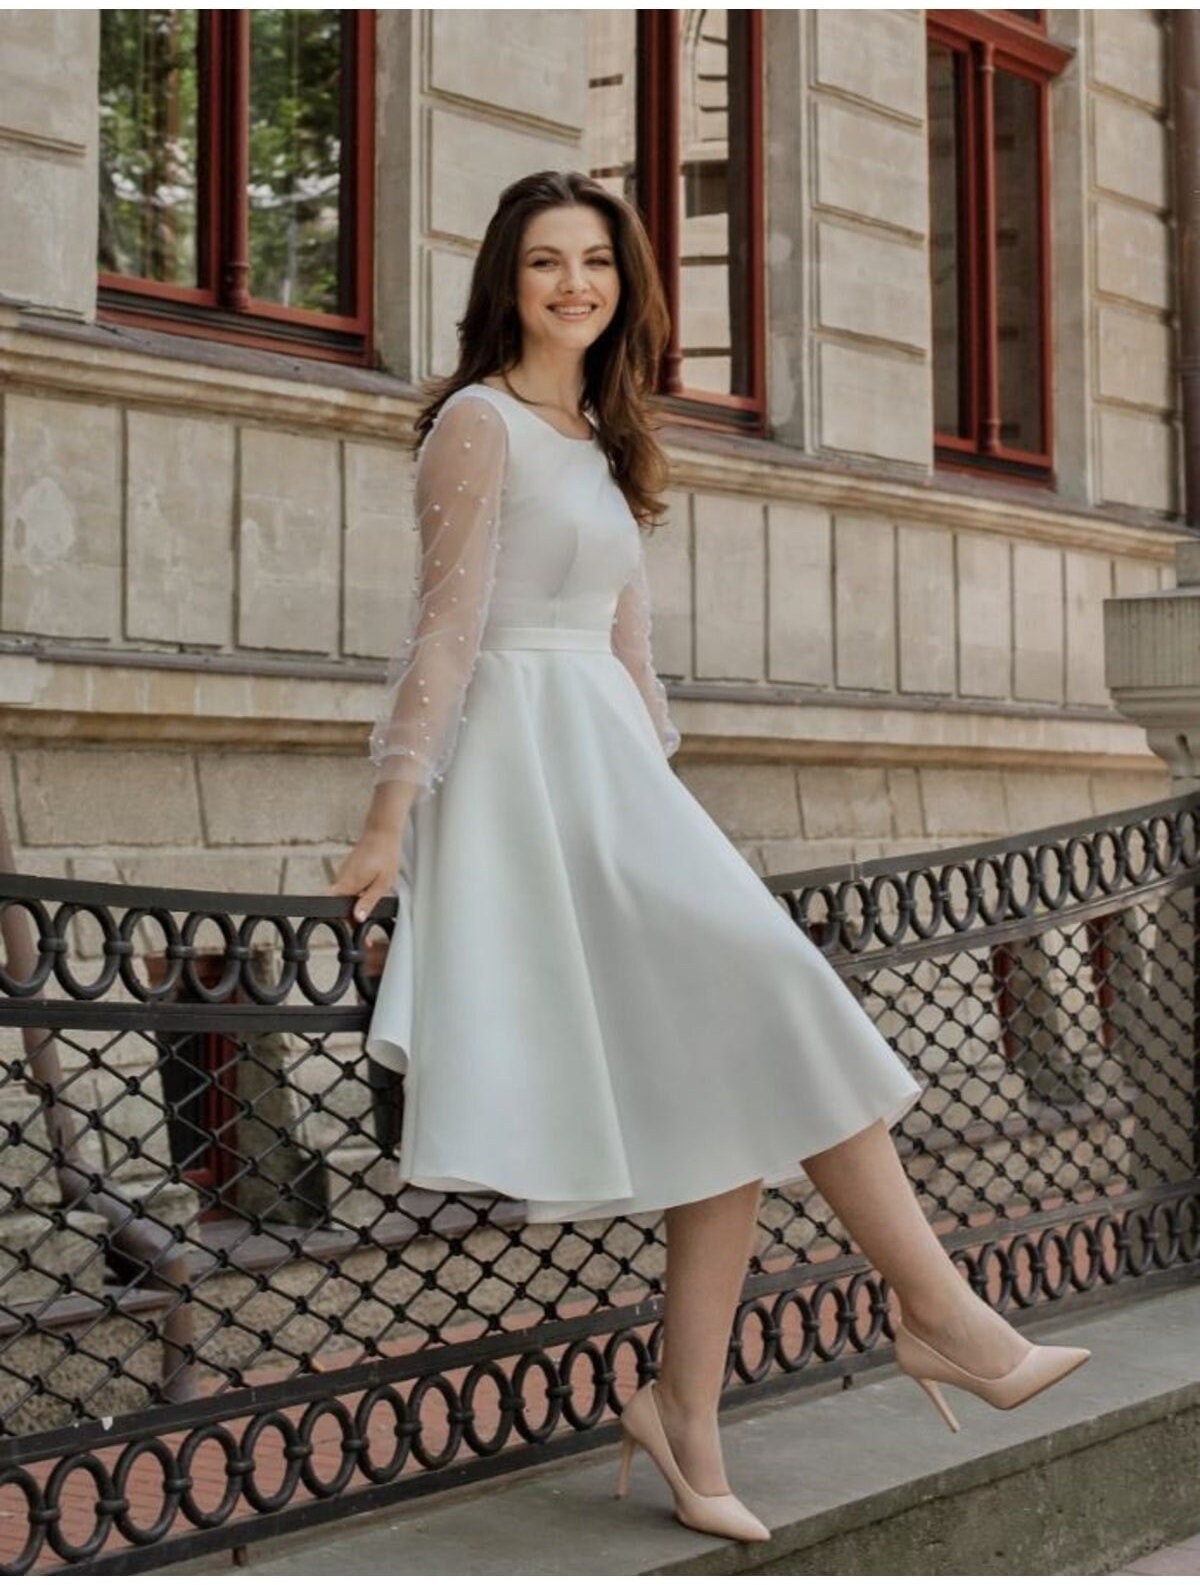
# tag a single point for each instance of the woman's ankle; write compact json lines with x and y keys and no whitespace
{"x":685,"y":1408}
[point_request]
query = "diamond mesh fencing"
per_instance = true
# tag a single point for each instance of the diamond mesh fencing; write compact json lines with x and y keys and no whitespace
{"x":223,"y":1315}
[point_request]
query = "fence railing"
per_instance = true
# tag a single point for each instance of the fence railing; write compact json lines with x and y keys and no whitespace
{"x":222,"y":1316}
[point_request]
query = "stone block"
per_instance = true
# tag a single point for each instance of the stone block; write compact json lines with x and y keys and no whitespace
{"x":48,"y":67}
{"x":48,"y":240}
{"x":961,"y":802}
{"x":207,"y":871}
{"x":470,"y":161}
{"x":669,"y":574}
{"x":1038,"y":623}
{"x":926,"y":615}
{"x":530,"y":62}
{"x":1088,"y":585}
{"x":842,"y":801}
{"x":48,"y":74}
{"x":800,"y":594}
{"x":179,"y":530}
{"x":1116,"y":790}
{"x":380,"y":554}
{"x":1138,"y":461}
{"x":795,"y":855}
{"x":1133,"y":254}
{"x":1135,"y":358}
{"x":872,"y":167}
{"x":62,"y":518}
{"x":1134,"y":577}
{"x":730,"y":587}
{"x":94,"y":867}
{"x":290,"y":542}
{"x":984,"y":616}
{"x":307,"y":874}
{"x":872,"y":284}
{"x":874,"y":404}
{"x":1130,"y":152}
{"x":748,"y":802}
{"x":874,"y":55}
{"x":449,"y":278}
{"x":89,"y":797}
{"x":276,"y":798}
{"x":1129,"y":54}
{"x":865,"y":602}
{"x":1037,"y":798}
{"x":904,"y":796}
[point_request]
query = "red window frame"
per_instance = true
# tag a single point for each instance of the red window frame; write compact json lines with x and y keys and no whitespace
{"x":659,"y":201}
{"x":991,"y":41}
{"x":221,"y":307}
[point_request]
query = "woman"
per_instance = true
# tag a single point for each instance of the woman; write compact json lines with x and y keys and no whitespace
{"x":597,"y":1005}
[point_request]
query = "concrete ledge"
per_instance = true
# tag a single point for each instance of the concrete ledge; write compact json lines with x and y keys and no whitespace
{"x":865,"y":1481}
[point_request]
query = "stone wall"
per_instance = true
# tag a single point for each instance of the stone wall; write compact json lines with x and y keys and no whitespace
{"x":200,"y":557}
{"x":1129,"y":219}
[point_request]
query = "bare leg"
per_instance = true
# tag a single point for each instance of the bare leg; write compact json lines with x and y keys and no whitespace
{"x":709,"y":1244}
{"x":865,"y":1183}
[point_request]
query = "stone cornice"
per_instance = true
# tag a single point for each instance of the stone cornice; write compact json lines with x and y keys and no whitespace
{"x":95,"y":364}
{"x":42,"y":702}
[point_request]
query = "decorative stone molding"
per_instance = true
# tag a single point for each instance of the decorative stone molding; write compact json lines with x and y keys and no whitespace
{"x":1152,"y":665}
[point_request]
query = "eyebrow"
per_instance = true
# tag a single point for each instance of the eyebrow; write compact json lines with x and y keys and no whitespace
{"x":546,"y":247}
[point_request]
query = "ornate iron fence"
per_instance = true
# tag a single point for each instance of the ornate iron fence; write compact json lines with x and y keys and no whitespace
{"x":222,"y":1316}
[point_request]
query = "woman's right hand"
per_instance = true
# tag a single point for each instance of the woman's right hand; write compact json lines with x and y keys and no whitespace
{"x":369,"y":871}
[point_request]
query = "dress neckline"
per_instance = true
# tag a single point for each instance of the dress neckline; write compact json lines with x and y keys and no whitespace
{"x":575,"y":440}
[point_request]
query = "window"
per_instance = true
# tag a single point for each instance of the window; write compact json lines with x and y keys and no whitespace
{"x":235,"y":176}
{"x":988,"y":77}
{"x":674,"y":124}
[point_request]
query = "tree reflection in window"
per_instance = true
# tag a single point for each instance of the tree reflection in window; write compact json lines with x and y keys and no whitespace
{"x":295,"y":157}
{"x":236,"y":176}
{"x":149,"y":144}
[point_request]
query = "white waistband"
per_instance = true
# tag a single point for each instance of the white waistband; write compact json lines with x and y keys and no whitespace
{"x":509,"y":637}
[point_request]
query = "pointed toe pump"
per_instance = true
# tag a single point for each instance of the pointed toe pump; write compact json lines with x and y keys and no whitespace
{"x":1041,"y":1367}
{"x":720,"y":1514}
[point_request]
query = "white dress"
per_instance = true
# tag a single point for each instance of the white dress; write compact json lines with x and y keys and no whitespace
{"x":597,"y":1005}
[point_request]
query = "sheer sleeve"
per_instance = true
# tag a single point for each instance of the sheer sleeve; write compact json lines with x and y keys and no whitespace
{"x":631,"y":645}
{"x":459,"y":480}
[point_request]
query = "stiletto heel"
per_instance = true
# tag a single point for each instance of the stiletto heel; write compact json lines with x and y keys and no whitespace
{"x":719,"y":1514}
{"x":1042,"y":1367}
{"x":627,"y":1446}
{"x":939,"y":1403}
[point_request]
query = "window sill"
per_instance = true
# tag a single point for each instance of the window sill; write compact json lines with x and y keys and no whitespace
{"x":202,"y":378}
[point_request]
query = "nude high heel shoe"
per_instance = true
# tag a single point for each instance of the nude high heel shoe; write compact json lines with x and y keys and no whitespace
{"x":1041,"y":1368}
{"x":721,"y":1514}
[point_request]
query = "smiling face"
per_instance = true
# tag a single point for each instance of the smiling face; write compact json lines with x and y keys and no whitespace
{"x":567,"y":279}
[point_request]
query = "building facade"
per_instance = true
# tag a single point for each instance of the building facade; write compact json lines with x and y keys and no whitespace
{"x":921,"y":405}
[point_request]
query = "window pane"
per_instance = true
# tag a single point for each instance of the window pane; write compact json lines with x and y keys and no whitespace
{"x":610,"y":133}
{"x":715,"y":215}
{"x":951,"y":410}
{"x":1018,"y":275}
{"x":149,"y":144}
{"x":296,"y":146}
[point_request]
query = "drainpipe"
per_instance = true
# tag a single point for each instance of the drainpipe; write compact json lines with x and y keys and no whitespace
{"x":1185,"y":107}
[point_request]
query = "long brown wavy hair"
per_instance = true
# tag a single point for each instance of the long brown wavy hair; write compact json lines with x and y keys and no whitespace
{"x":618,"y":368}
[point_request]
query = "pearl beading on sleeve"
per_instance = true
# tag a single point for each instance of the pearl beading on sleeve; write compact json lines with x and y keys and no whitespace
{"x":459,"y":483}
{"x":631,"y":644}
